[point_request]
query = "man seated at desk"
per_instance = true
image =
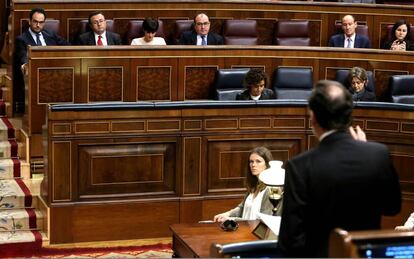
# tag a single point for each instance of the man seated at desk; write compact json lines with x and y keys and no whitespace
{"x":349,"y":39}
{"x":99,"y":35}
{"x":35,"y":35}
{"x":201,"y":34}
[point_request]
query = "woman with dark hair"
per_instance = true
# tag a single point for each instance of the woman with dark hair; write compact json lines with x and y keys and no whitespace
{"x":400,"y":37}
{"x":358,"y":78}
{"x":150,"y":27}
{"x":258,"y":195}
{"x":255,"y":82}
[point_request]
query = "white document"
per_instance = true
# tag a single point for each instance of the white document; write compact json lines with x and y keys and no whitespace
{"x":272,"y":222}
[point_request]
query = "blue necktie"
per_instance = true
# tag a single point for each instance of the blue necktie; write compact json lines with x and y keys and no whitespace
{"x":348,"y":42}
{"x":203,"y":40}
{"x":38,"y":42}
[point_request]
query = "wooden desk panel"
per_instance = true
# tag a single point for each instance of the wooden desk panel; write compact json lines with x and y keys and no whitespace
{"x":194,"y":240}
{"x":92,"y":74}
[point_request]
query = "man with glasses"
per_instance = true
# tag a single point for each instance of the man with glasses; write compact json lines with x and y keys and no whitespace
{"x":99,"y":35}
{"x":35,"y":35}
{"x":201,"y":34}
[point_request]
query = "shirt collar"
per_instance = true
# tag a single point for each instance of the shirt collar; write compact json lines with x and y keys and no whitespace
{"x":326,"y":133}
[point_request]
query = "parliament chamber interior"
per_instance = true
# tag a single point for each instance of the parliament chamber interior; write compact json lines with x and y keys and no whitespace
{"x":145,"y":137}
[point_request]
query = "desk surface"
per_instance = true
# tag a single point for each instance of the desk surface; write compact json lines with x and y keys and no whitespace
{"x":194,"y":240}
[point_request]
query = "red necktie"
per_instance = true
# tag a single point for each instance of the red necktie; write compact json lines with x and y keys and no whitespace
{"x":100,"y":41}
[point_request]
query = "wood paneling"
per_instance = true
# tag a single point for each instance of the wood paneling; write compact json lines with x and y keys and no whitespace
{"x":134,"y":170}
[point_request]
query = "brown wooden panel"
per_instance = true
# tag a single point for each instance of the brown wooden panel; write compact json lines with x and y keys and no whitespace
{"x":57,"y":85}
{"x":220,"y":124}
{"x":116,"y":221}
{"x":164,"y":125}
{"x":192,"y":166}
{"x":61,"y":128}
{"x":382,"y":77}
{"x":92,"y":127}
{"x":228,"y":172}
{"x":132,"y":169}
{"x":105,"y":84}
{"x":382,"y":125}
{"x":190,"y":211}
{"x":212,"y":207}
{"x":255,"y":123}
{"x":266,"y":29}
{"x":289,"y":123}
{"x":198,"y":82}
{"x":61,"y":186}
{"x":193,"y":125}
{"x":407,"y":127}
{"x":154,"y":83}
{"x":128,"y":126}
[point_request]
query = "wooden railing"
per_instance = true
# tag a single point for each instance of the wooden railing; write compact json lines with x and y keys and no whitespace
{"x":128,"y":74}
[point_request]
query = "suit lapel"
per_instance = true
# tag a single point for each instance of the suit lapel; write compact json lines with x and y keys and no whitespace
{"x":357,"y":41}
{"x":28,"y":37}
{"x":194,"y":38}
{"x":109,"y":39}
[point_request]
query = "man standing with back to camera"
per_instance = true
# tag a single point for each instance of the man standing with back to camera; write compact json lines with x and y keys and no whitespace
{"x":343,"y":182}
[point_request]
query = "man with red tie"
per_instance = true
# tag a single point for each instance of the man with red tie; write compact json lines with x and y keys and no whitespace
{"x":99,"y":35}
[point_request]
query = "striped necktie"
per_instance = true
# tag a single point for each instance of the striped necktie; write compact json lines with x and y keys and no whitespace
{"x":203,"y":40}
{"x":38,"y":42}
{"x":348,"y":42}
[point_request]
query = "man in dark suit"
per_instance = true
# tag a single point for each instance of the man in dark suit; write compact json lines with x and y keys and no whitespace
{"x":201,"y":34}
{"x":99,"y":35}
{"x":35,"y":35}
{"x":349,"y":39}
{"x":344,"y":182}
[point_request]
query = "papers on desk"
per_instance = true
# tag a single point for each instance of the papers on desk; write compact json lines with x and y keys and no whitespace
{"x":272,"y":222}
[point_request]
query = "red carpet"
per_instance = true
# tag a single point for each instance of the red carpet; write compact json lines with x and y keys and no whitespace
{"x":144,"y":251}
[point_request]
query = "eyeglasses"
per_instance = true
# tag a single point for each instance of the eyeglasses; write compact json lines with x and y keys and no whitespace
{"x":98,"y":22}
{"x":38,"y":22}
{"x":202,"y":23}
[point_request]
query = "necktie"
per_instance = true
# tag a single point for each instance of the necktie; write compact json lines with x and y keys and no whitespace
{"x":348,"y":44}
{"x":38,"y":42}
{"x":100,"y":41}
{"x":203,"y":40}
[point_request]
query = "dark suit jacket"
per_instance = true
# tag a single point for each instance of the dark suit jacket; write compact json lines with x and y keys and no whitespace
{"x":365,"y":96}
{"x":341,"y":183}
{"x":267,"y":94}
{"x":25,"y":39}
{"x":361,"y":41}
{"x":88,"y":38}
{"x":190,"y":38}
